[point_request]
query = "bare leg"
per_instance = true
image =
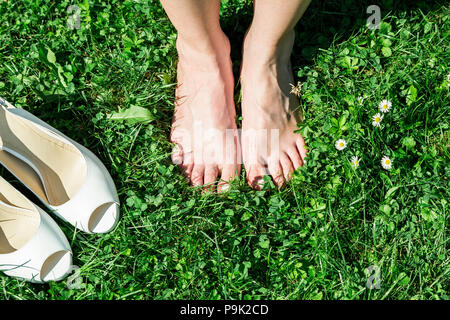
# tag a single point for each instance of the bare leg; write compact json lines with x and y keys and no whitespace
{"x":269,"y":144}
{"x":204,"y":126}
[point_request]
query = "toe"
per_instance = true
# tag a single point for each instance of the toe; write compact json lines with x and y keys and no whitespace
{"x":276,"y":172}
{"x":302,"y":148}
{"x":295,"y":157}
{"x":287,"y":166}
{"x":188,"y":164}
{"x":177,"y":155}
{"x":197,"y":175}
{"x":229,"y":172}
{"x":187,"y":169}
{"x":255,"y":176}
{"x":211,"y":173}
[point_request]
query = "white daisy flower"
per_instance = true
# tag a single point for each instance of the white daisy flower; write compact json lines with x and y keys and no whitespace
{"x":385,"y":106}
{"x":376,"y":120}
{"x":340,"y":144}
{"x":355,"y":162}
{"x":386,"y":163}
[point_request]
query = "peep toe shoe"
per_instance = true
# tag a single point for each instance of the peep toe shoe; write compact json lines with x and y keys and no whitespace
{"x":32,"y":246}
{"x":68,"y":178}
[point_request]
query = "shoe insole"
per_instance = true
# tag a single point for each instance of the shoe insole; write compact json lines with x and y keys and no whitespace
{"x":19,"y":220}
{"x":53,"y":169}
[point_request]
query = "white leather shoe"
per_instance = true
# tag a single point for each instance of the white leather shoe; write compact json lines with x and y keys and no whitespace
{"x":32,"y":246}
{"x":68,"y":178}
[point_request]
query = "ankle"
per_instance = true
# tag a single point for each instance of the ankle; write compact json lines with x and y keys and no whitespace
{"x":209,"y":51}
{"x":266,"y":50}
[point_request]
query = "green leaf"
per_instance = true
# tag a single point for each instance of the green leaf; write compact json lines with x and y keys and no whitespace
{"x":343,"y":120}
{"x":350,"y":62}
{"x":385,"y":28}
{"x":391,"y":226}
{"x":61,"y":77}
{"x":385,"y":208}
{"x":246,"y":216}
{"x":408,"y":142}
{"x":133,"y":115}
{"x":335,"y":122}
{"x":391,"y":192}
{"x":403,"y":279}
{"x":386,"y":42}
{"x":229,"y":212}
{"x":386,"y":51}
{"x":51,"y":58}
{"x":411,"y":95}
{"x":386,"y":179}
{"x":264,"y":242}
{"x":428,"y":27}
{"x":317,"y":296}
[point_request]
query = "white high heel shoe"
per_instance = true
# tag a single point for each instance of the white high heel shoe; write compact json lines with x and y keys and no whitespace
{"x":32,"y":246}
{"x":68,"y":178}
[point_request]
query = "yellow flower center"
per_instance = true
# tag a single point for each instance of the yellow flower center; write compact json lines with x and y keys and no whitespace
{"x":385,"y":106}
{"x":341,"y":144}
{"x":388,"y":161}
{"x":377,"y":119}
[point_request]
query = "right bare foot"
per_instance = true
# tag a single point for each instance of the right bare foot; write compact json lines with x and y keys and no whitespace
{"x":204,"y":123}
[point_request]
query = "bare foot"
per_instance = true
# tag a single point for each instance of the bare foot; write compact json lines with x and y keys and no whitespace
{"x":269,"y":144}
{"x":204,"y":127}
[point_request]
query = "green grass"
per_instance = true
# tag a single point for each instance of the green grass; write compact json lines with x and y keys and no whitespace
{"x":313,"y":239}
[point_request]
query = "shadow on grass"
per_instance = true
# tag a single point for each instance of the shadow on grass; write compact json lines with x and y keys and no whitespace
{"x":323,"y":23}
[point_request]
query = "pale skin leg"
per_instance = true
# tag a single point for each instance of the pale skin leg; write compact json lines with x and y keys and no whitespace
{"x":269,"y":144}
{"x":204,"y":126}
{"x":205,"y":93}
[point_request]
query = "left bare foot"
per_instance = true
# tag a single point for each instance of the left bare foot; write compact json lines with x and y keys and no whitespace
{"x":269,"y":144}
